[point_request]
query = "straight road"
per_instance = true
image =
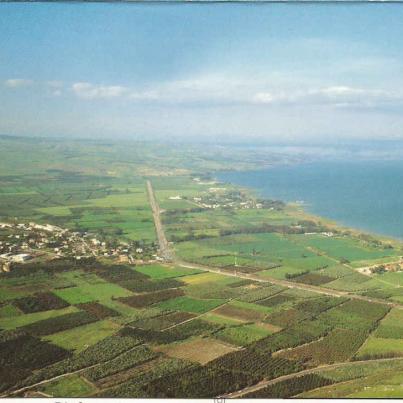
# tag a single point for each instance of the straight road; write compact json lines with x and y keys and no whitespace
{"x":164,"y":249}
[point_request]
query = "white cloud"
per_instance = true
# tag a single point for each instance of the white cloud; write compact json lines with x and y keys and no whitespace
{"x":220,"y":90}
{"x":337,"y":96}
{"x":17,"y":83}
{"x":91,"y":91}
{"x":263,"y":98}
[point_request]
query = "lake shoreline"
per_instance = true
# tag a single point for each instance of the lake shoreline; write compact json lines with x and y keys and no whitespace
{"x":240,"y":179}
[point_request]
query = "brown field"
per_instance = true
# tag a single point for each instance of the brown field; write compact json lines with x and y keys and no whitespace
{"x":243,"y":314}
{"x":199,"y":350}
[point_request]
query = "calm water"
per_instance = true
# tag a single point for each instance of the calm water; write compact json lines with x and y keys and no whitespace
{"x":367,"y":195}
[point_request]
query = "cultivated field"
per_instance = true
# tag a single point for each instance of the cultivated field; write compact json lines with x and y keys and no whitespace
{"x":274,"y":303}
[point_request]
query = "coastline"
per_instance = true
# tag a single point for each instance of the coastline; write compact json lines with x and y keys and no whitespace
{"x":301,"y":210}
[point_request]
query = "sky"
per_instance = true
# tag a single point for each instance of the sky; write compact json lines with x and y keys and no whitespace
{"x":215,"y":72}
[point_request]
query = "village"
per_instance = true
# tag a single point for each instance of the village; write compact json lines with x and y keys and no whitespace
{"x":22,"y":242}
{"x":222,"y":197}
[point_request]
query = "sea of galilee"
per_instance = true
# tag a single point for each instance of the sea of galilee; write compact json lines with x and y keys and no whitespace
{"x":366,"y":195}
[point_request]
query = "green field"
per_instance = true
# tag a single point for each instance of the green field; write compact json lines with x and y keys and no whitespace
{"x":80,"y":338}
{"x":381,"y":347}
{"x":72,"y":385}
{"x":89,"y":288}
{"x":13,"y":322}
{"x":191,"y":304}
{"x":243,"y":335}
{"x":160,"y":272}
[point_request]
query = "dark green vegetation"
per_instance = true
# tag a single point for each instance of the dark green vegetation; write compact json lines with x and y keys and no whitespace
{"x":22,"y":353}
{"x":45,"y":301}
{"x":290,"y":387}
{"x":110,"y":326}
{"x":59,"y":323}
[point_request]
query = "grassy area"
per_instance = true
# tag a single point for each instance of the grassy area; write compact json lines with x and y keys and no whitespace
{"x":9,"y":311}
{"x":73,"y":386}
{"x":193,"y":305}
{"x":79,"y":338}
{"x":89,"y":288}
{"x":21,"y":320}
{"x":208,"y":277}
{"x":243,"y":335}
{"x":159,"y":272}
{"x":7,"y":293}
{"x":378,"y":347}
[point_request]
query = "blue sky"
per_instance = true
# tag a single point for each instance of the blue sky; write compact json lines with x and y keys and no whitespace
{"x":228,"y":72}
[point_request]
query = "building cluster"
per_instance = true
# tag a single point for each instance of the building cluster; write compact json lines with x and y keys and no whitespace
{"x":220,"y":197}
{"x":20,"y":242}
{"x":386,"y":267}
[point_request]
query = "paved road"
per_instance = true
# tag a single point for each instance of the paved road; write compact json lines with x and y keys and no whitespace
{"x":326,"y":367}
{"x":164,"y":249}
